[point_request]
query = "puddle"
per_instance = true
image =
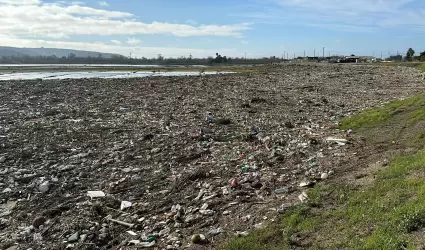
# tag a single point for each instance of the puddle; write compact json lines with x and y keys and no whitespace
{"x":107,"y":75}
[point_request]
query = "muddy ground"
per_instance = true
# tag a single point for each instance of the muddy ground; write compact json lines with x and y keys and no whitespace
{"x":150,"y":143}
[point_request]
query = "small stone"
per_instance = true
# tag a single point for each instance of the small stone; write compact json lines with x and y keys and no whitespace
{"x":74,"y":237}
{"x":324,"y":176}
{"x":2,"y":159}
{"x":39,"y":221}
{"x":44,"y":187}
{"x":7,"y":190}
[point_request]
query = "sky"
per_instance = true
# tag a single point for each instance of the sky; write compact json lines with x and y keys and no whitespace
{"x":201,"y":28}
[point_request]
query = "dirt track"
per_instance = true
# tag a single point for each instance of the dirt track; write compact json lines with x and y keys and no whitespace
{"x":147,"y":141}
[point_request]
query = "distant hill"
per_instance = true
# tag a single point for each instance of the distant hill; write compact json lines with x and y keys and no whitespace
{"x":18,"y":52}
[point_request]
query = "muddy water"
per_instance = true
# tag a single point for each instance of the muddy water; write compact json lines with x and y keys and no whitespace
{"x":80,"y":75}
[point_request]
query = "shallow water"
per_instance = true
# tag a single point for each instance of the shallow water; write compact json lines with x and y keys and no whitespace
{"x":80,"y":75}
{"x":90,"y":65}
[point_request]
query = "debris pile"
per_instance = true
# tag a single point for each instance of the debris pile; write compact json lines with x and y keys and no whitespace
{"x":174,"y":162}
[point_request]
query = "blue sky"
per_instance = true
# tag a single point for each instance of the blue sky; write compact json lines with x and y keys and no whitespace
{"x":231,"y":27}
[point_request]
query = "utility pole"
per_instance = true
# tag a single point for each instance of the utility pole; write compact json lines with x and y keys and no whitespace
{"x":323,"y":54}
{"x":245,"y":55}
{"x":381,"y":55}
{"x":304,"y":53}
{"x":314,"y":55}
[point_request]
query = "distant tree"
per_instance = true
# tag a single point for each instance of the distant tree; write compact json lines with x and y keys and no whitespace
{"x":71,"y":56}
{"x":353,"y":55}
{"x":422,"y":57}
{"x":409,"y":55}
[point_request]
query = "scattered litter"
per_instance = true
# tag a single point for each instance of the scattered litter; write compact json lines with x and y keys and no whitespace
{"x":303,"y":197}
{"x":125,"y":204}
{"x":95,"y":194}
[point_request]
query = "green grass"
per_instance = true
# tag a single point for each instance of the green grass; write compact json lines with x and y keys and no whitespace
{"x":422,"y":67}
{"x":382,"y":216}
{"x":374,"y":117}
{"x":385,"y":214}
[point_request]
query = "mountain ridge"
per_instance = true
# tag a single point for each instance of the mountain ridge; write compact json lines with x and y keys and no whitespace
{"x":34,"y":52}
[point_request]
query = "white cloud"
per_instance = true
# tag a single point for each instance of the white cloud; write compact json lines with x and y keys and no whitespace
{"x":103,"y":3}
{"x":116,"y":42}
{"x":342,"y":15}
{"x":123,"y":50}
{"x":33,"y":18}
{"x":133,"y":41}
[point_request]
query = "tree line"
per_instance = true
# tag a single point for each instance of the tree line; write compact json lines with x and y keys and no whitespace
{"x":119,"y":59}
{"x":410,"y":56}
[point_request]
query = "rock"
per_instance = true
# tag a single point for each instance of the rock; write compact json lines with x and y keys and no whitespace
{"x":324,"y":176}
{"x":2,"y":159}
{"x":74,"y":237}
{"x":7,"y":190}
{"x":39,"y":221}
{"x":44,"y":187}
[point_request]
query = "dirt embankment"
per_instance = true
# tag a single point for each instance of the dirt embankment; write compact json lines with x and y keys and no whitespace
{"x":149,"y":142}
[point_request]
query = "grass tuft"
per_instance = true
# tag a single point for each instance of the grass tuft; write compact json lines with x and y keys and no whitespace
{"x":374,"y":117}
{"x":382,"y":216}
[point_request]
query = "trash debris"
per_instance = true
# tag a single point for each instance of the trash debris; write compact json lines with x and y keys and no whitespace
{"x":152,"y":143}
{"x":234,"y":182}
{"x":306,"y":184}
{"x":132,"y":233}
{"x":44,"y":187}
{"x":125,"y":204}
{"x":95,"y":194}
{"x":198,"y":239}
{"x":303,"y":197}
{"x":39,"y":221}
{"x":341,"y":142}
{"x":74,"y":237}
{"x":283,"y":190}
{"x":209,"y":117}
